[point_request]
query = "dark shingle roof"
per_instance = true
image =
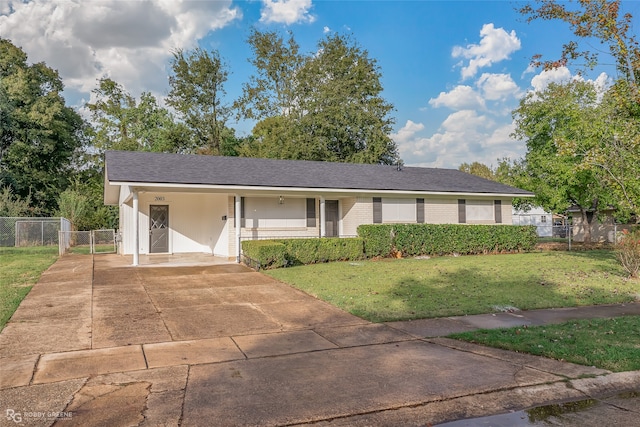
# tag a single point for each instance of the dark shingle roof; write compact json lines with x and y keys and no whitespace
{"x":144,"y":167}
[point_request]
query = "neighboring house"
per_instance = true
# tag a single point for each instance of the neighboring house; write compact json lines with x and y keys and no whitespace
{"x":171,"y":203}
{"x":543,"y":220}
{"x":603,"y":230}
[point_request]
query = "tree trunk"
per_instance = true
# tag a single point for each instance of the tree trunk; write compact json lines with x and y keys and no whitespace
{"x":587,"y":221}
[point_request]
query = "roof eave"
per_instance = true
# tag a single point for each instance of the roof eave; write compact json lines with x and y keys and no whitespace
{"x":308,"y":190}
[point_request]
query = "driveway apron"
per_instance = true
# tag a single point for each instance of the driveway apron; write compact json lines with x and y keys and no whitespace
{"x":104,"y":343}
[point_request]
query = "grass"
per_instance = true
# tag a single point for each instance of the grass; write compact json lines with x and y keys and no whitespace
{"x":390,"y":289}
{"x":20,"y":268}
{"x":612,"y":344}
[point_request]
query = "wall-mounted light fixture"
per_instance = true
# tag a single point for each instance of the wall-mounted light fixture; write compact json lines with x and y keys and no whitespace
{"x":281,"y":200}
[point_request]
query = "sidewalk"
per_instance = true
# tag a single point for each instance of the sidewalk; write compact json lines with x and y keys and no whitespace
{"x":108,"y":344}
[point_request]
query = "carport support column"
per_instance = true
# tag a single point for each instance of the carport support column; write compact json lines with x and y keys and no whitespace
{"x":136,"y":232}
{"x":238,"y":220}
{"x":323,"y":228}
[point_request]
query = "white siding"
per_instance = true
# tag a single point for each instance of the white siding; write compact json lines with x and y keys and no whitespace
{"x":196,"y":223}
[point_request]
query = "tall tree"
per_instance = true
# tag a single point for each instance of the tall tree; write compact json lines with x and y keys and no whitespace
{"x":272,"y":91}
{"x":123,"y":123}
{"x":197,"y":93}
{"x":323,"y":106}
{"x":561,"y":116}
{"x":345,"y":117}
{"x":618,"y":153}
{"x":40,"y":137}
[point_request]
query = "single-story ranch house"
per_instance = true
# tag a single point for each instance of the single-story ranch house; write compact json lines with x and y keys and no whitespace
{"x":172,"y":203}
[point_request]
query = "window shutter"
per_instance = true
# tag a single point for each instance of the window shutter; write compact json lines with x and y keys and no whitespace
{"x":377,"y":210}
{"x":242,"y":221}
{"x":497,"y":204}
{"x":462,"y":211}
{"x":420,"y":211}
{"x":311,"y":212}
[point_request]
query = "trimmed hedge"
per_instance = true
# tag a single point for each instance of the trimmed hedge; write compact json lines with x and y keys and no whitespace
{"x":440,"y":239}
{"x":281,"y":252}
{"x":268,"y":253}
{"x":312,"y":251}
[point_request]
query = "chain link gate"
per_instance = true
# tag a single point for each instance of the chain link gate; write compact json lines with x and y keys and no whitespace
{"x":87,"y":242}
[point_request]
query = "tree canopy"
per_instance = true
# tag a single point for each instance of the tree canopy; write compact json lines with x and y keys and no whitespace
{"x":323,"y":106}
{"x":561,"y":125}
{"x":605,"y":140}
{"x":197,"y":93}
{"x":40,"y":137}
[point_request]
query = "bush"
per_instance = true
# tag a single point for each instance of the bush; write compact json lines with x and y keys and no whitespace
{"x":628,"y":252}
{"x":278,"y":253}
{"x":440,"y":239}
{"x":312,"y":251}
{"x":268,"y":253}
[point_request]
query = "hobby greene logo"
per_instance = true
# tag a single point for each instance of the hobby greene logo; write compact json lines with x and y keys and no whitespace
{"x":14,"y":416}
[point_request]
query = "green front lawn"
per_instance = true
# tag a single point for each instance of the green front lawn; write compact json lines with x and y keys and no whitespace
{"x":20,"y":268}
{"x":390,"y":289}
{"x":612,"y":344}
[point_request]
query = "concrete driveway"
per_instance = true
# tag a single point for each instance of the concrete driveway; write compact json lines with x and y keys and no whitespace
{"x":97,"y":342}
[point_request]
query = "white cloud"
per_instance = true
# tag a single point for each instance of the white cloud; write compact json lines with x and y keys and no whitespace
{"x":130,"y":42}
{"x":541,"y":81}
{"x":495,"y":45}
{"x":495,"y":87}
{"x":326,"y":29}
{"x":463,"y":137}
{"x":286,"y":11}
{"x":458,"y":98}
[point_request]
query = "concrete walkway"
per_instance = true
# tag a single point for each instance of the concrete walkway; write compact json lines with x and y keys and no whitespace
{"x":97,"y":342}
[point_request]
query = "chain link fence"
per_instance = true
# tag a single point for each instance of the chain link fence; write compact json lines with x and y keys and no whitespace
{"x":87,"y":242}
{"x":20,"y":232}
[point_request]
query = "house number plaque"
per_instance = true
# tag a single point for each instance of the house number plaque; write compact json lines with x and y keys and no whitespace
{"x":159,"y":199}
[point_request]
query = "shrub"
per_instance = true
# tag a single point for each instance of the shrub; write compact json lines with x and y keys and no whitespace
{"x":278,"y":253}
{"x":311,"y":251}
{"x":268,"y":253}
{"x":628,"y":252}
{"x":440,"y":239}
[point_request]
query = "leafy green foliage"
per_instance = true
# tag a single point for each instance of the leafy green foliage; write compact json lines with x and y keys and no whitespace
{"x":197,"y":93}
{"x":268,"y":253}
{"x":123,"y":123}
{"x":281,"y":252}
{"x":12,"y":205}
{"x":324,"y":106}
{"x":73,"y":205}
{"x":40,"y":137}
{"x":610,"y":147}
{"x":439,"y":239}
{"x":311,"y":251}
{"x":561,"y":125}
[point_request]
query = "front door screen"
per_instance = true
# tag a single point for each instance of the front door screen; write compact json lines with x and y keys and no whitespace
{"x":159,"y":228}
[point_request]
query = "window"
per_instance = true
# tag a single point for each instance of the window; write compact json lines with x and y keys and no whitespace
{"x":543,"y":218}
{"x":399,"y":210}
{"x":268,"y":212}
{"x":479,"y":210}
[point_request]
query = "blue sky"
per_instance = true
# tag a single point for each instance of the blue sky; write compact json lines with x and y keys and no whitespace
{"x":454,"y":70}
